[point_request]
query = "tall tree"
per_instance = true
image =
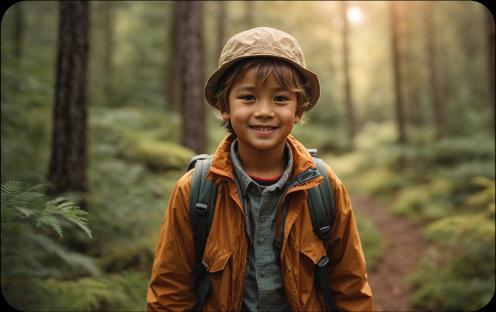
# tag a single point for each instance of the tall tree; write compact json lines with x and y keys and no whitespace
{"x":397,"y":77}
{"x":108,"y":42}
{"x":413,"y":88}
{"x":350,"y":112}
{"x":490,"y":62}
{"x":67,"y":170}
{"x":436,"y":98}
{"x":191,"y":55}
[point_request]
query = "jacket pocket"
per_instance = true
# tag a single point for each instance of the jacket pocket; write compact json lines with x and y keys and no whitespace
{"x":310,"y":254}
{"x":313,"y":251}
{"x":216,"y":261}
{"x":215,"y":257}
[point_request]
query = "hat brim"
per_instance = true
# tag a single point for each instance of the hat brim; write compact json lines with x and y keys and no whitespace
{"x":211,"y":86}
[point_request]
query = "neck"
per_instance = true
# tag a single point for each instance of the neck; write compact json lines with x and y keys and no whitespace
{"x":262,"y":164}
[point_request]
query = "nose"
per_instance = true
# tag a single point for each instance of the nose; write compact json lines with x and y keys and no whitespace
{"x":264,"y":109}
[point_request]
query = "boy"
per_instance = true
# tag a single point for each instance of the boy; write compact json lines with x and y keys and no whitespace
{"x":261,"y":89}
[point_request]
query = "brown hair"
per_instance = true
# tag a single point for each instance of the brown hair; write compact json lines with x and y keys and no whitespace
{"x":284,"y":73}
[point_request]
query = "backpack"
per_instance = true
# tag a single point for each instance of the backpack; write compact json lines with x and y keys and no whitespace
{"x":201,"y":210}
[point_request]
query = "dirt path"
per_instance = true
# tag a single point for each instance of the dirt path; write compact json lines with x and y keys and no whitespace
{"x":403,"y":251}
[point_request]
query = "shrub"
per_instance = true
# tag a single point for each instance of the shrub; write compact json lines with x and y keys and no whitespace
{"x":158,"y":156}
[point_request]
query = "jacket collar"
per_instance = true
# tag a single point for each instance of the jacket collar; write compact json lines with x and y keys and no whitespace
{"x":222,"y":164}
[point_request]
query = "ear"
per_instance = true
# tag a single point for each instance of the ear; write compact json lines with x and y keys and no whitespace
{"x":298,"y":116}
{"x":225,"y":115}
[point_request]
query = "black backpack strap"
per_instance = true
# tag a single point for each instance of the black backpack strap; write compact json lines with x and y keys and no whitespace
{"x":322,"y":213}
{"x":201,"y":211}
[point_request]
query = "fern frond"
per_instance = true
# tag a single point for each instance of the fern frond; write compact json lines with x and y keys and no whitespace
{"x":50,"y":221}
{"x":73,"y":259}
{"x":25,"y":211}
{"x":31,"y":203}
{"x":70,"y":211}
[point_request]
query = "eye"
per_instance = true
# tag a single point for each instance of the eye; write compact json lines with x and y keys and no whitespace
{"x":247,"y":97}
{"x":281,"y":98}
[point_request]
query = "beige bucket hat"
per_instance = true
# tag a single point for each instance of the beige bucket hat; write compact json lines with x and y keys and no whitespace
{"x":266,"y":42}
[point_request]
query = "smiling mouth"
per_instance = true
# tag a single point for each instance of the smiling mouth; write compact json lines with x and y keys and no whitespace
{"x":265,"y":128}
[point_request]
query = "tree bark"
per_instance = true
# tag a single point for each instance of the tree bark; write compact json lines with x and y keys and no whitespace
{"x":67,"y":169}
{"x":350,"y":112}
{"x":191,"y":55}
{"x":436,"y":98}
{"x":413,"y":105}
{"x":108,"y":35}
{"x":397,"y":77}
{"x":490,"y":64}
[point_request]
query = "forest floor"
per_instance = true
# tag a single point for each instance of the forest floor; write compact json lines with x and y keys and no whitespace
{"x":403,"y":251}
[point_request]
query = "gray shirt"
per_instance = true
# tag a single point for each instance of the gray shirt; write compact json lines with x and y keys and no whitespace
{"x":263,"y":286}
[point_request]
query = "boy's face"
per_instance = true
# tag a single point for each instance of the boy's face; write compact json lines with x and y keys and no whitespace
{"x":262,"y":116}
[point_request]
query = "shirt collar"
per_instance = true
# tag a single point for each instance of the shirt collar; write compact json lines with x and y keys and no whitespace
{"x":244,"y":179}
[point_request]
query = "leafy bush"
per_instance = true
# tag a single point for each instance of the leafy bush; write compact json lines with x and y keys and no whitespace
{"x":381,"y":182}
{"x":466,"y":263}
{"x":156,"y":155}
{"x":130,"y":255}
{"x":124,"y":292}
{"x":429,"y":201}
{"x":372,"y":242}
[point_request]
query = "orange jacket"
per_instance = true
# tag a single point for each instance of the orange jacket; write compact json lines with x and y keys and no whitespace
{"x":226,"y":249}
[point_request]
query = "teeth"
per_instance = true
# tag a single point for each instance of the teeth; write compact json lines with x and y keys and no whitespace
{"x":262,"y":128}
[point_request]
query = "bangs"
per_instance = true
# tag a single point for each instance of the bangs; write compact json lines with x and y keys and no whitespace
{"x":284,"y":74}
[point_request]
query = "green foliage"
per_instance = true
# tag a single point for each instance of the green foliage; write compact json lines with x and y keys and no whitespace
{"x":135,"y":255}
{"x":124,"y":292}
{"x":317,"y":136}
{"x":465,"y":266}
{"x":381,"y":182}
{"x":428,"y":201}
{"x":19,"y":203}
{"x":158,"y":156}
{"x":372,"y":242}
{"x":26,"y":215}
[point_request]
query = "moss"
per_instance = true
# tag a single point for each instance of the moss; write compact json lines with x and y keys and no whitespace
{"x":157,"y":155}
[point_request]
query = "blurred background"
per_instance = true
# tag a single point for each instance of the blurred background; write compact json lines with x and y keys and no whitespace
{"x":102,"y":108}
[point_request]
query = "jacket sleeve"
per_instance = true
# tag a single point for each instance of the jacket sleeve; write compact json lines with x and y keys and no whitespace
{"x":348,"y":273}
{"x":172,"y":276}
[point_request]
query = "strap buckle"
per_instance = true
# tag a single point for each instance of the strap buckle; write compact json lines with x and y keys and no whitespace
{"x":325,"y":232}
{"x":323,"y":262}
{"x":201,"y":209}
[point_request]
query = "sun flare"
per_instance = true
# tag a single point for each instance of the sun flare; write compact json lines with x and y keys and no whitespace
{"x":354,"y":15}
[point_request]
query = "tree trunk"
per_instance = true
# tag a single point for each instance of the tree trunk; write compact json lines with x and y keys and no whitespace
{"x":67,"y":170}
{"x":350,"y":113}
{"x":490,"y":64}
{"x":191,"y":55}
{"x":108,"y":35}
{"x":398,"y":83}
{"x":221,"y":26}
{"x":413,"y":105}
{"x":436,"y":99}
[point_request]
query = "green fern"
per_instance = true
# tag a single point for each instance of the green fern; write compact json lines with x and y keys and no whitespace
{"x":19,"y":203}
